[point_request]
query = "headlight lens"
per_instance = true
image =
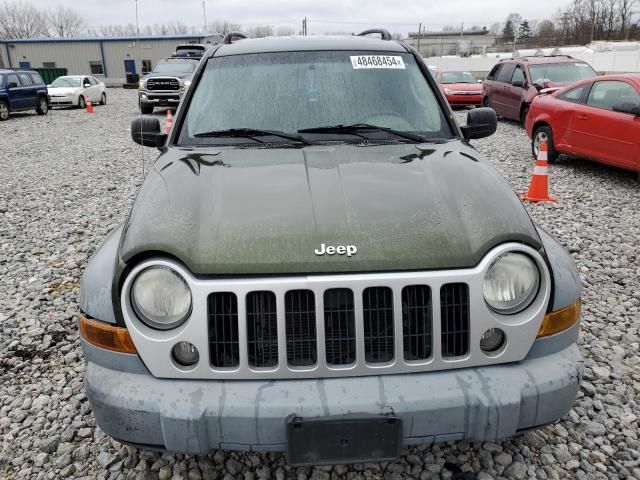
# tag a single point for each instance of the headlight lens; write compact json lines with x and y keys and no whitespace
{"x":141,"y":85}
{"x":186,"y":84}
{"x":161,"y":298}
{"x":511,"y":283}
{"x":448,"y":91}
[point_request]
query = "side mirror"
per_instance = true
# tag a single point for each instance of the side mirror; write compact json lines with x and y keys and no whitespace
{"x":481,"y":123}
{"x":12,"y":85}
{"x":518,"y":83}
{"x":145,"y":131}
{"x":631,"y":108}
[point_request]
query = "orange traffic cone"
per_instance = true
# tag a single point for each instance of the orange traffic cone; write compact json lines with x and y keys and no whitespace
{"x":88,"y":103}
{"x":169,"y":122}
{"x":539,"y":187}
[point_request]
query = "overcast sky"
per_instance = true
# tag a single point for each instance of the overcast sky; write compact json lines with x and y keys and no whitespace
{"x":324,"y":15}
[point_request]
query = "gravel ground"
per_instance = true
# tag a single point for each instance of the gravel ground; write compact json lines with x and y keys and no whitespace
{"x":68,"y":178}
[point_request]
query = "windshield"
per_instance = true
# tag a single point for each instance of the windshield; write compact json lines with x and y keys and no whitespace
{"x":458,"y":77}
{"x":175,"y":67}
{"x":66,"y":82}
{"x":560,"y":72}
{"x":292,"y":91}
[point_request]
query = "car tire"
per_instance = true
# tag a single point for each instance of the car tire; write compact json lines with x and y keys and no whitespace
{"x":43,"y":106}
{"x":146,"y":109}
{"x":103,"y":99}
{"x":544,"y":133}
{"x":81,"y":102}
{"x":524,"y":111}
{"x":4,"y":111}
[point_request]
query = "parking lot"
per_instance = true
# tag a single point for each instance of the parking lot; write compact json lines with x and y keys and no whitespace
{"x":68,"y":178}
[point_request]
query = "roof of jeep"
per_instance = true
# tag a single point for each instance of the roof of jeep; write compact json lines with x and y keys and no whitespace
{"x":309,"y":43}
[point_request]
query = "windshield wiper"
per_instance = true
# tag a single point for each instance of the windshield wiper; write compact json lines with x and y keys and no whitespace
{"x":251,"y":133}
{"x":356,"y":128}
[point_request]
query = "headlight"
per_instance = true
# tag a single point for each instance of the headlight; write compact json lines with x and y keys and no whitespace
{"x":161,"y":298}
{"x":187,"y":83}
{"x":141,"y":85}
{"x":511,"y":283}
{"x":448,"y":91}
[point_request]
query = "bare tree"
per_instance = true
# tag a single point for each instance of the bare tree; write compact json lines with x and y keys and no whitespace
{"x":177,"y":28}
{"x":261,"y":31}
{"x":224,"y":27}
{"x":64,"y":22}
{"x":21,"y":20}
{"x":285,"y":32}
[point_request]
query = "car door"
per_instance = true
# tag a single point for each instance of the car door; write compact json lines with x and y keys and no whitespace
{"x":86,"y":89}
{"x":500,"y":93}
{"x":29,"y":95}
{"x":96,"y":91}
{"x":514,"y":93}
{"x":563,"y":117}
{"x":16,"y":94}
{"x":602,"y":134}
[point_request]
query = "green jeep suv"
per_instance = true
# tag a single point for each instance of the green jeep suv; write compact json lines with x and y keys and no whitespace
{"x":319,"y":262}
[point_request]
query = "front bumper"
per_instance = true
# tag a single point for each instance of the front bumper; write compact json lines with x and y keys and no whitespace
{"x":161,"y":99}
{"x":196,"y":416}
{"x":464,"y":100}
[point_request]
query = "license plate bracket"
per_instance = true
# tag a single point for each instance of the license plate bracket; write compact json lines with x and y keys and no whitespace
{"x":353,"y":438}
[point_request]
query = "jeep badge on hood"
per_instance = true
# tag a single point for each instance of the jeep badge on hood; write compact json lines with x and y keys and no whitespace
{"x":348,"y":250}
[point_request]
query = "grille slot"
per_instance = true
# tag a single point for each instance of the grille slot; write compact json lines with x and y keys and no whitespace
{"x":262,"y":329}
{"x":160,"y":84}
{"x":300,"y":318}
{"x":224,"y":347}
{"x":417,"y":323}
{"x":339,"y":326}
{"x":454,"y":317}
{"x":377,"y":310}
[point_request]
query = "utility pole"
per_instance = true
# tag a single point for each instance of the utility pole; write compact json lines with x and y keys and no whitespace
{"x":419,"y":33}
{"x":304,"y":26}
{"x":204,"y":15}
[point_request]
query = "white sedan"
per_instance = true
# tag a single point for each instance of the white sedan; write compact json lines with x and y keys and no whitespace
{"x":73,"y":90}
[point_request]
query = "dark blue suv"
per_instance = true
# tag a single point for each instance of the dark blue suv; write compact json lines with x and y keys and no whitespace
{"x":22,"y":90}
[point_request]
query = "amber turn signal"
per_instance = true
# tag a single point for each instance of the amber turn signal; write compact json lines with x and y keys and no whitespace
{"x":107,"y":336}
{"x":560,"y":320}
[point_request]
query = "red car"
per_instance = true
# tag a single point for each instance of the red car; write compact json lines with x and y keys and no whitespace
{"x":461,"y":88}
{"x":513,"y":83}
{"x":598,"y":119}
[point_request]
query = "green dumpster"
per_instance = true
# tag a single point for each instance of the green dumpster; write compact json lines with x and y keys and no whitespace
{"x":50,"y":74}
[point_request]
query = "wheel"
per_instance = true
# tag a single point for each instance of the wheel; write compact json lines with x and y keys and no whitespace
{"x":43,"y":106}
{"x":523,"y":115}
{"x":4,"y":111}
{"x":103,"y":99}
{"x":146,"y":109}
{"x":81,"y":102}
{"x":542,"y":134}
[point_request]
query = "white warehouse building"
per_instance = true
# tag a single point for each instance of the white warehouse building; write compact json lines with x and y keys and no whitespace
{"x":106,"y":58}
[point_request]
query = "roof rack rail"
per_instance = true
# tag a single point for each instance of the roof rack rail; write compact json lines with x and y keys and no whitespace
{"x":228,"y":38}
{"x":383,"y":33}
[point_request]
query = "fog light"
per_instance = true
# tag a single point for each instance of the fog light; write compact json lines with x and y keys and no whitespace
{"x":492,"y":340}
{"x":185,"y":354}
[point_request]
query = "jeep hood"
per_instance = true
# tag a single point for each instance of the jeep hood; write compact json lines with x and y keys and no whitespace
{"x":265,"y":210}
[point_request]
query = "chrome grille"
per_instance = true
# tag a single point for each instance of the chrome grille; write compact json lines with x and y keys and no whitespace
{"x":377,"y":310}
{"x":322,"y":322}
{"x":300,"y":319}
{"x":162,"y":84}
{"x":417,"y":325}
{"x":454,"y":315}
{"x":339,"y":327}
{"x":262,"y":329}
{"x":224,"y":345}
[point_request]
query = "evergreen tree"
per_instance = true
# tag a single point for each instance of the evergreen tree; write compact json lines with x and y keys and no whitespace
{"x":525,"y":30}
{"x":508,"y":31}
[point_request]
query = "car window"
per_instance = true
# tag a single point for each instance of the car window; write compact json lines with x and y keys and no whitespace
{"x":606,"y":94}
{"x":518,"y":75}
{"x":93,"y":81}
{"x":573,"y":95}
{"x":506,"y":72}
{"x":494,"y":72}
{"x":37,"y":79}
{"x":458,"y":77}
{"x":291,"y":91}
{"x":13,"y":78}
{"x":560,"y":72}
{"x":25,"y":79}
{"x":175,"y":67}
{"x":66,"y":82}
